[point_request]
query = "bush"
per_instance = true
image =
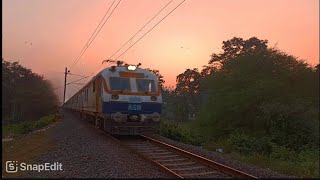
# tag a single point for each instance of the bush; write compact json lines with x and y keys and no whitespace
{"x":40,"y":124}
{"x":27,"y":126}
{"x":242,"y":143}
{"x":262,"y":145}
{"x":212,"y":145}
{"x":172,"y":131}
{"x":282,"y":153}
{"x":270,"y":92}
{"x":44,"y":121}
{"x":16,"y":129}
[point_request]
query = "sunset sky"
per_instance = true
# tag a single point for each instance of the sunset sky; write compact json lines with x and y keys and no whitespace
{"x":59,"y":29}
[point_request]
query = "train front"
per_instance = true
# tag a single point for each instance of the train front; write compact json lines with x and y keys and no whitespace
{"x":131,"y":101}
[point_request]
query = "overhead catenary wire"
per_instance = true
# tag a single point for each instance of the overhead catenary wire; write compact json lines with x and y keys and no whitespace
{"x":140,"y":29}
{"x":78,"y":80}
{"x":150,"y":29}
{"x":98,"y":68}
{"x":94,"y":36}
{"x":87,"y":46}
{"x":137,"y":33}
{"x":75,"y":75}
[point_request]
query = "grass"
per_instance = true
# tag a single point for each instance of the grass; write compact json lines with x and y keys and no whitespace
{"x":186,"y":124}
{"x":305,"y":169}
{"x":25,"y":149}
{"x":14,"y":130}
{"x":282,"y":160}
{"x":28,"y":147}
{"x":179,"y":133}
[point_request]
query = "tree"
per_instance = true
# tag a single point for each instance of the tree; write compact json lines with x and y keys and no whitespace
{"x":188,"y":82}
{"x":236,"y":47}
{"x":187,"y":91}
{"x":262,"y":92}
{"x":25,"y":95}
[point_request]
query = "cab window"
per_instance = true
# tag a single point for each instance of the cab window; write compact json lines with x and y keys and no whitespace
{"x":146,"y":85}
{"x":120,"y":84}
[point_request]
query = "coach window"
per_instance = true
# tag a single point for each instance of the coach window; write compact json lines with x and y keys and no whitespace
{"x":94,"y":86}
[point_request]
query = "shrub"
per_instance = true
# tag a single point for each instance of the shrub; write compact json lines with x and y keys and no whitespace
{"x":21,"y":128}
{"x":172,"y":131}
{"x":282,"y":153}
{"x":44,"y":121}
{"x":242,"y":143}
{"x":27,"y":126}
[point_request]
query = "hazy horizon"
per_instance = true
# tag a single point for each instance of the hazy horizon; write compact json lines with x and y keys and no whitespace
{"x":58,"y":30}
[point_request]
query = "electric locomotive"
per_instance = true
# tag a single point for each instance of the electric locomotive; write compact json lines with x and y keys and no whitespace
{"x":123,"y":100}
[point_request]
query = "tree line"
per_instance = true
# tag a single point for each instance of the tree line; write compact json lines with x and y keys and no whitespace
{"x":25,"y":95}
{"x":250,"y":91}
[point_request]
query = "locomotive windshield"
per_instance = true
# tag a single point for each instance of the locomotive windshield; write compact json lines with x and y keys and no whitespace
{"x":120,"y":84}
{"x":146,"y":85}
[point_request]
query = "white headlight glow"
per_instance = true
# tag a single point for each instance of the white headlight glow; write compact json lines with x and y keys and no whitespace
{"x":131,"y":67}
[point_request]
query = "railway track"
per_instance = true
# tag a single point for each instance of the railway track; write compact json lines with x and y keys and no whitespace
{"x":178,"y":162}
{"x":175,"y":161}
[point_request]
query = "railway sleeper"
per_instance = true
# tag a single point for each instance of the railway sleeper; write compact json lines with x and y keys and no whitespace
{"x":148,"y":149}
{"x":198,"y":174}
{"x":166,"y":157}
{"x":157,"y":152}
{"x":172,"y":160}
{"x":160,"y":151}
{"x":180,"y":164}
{"x":188,"y":168}
{"x":140,"y":146}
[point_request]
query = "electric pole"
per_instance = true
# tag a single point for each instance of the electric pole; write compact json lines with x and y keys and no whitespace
{"x":65,"y":84}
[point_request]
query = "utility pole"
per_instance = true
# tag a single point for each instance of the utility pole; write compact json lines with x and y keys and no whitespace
{"x":65,"y":84}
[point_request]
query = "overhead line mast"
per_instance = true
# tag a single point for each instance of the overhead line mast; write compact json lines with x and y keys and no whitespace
{"x":65,"y":84}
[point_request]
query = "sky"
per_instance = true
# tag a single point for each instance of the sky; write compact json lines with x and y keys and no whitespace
{"x":59,"y":29}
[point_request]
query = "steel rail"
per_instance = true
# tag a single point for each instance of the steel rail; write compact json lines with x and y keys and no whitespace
{"x":163,"y":168}
{"x":215,"y":165}
{"x":207,"y":162}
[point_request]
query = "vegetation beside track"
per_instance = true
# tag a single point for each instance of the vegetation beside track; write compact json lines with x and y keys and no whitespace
{"x":26,"y":95}
{"x":246,"y":149}
{"x":259,"y":104}
{"x":14,"y":130}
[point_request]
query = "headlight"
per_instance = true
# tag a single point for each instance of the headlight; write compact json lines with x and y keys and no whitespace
{"x":131,"y":67}
{"x":117,"y":117}
{"x":114,"y":96}
{"x":134,"y":117}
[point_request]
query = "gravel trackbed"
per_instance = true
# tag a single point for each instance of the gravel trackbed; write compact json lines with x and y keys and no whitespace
{"x":84,"y":153}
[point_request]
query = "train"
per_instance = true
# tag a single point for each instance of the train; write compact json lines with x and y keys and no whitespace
{"x":121,"y":100}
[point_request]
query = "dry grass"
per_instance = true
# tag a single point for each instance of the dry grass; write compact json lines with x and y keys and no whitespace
{"x":25,"y":149}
